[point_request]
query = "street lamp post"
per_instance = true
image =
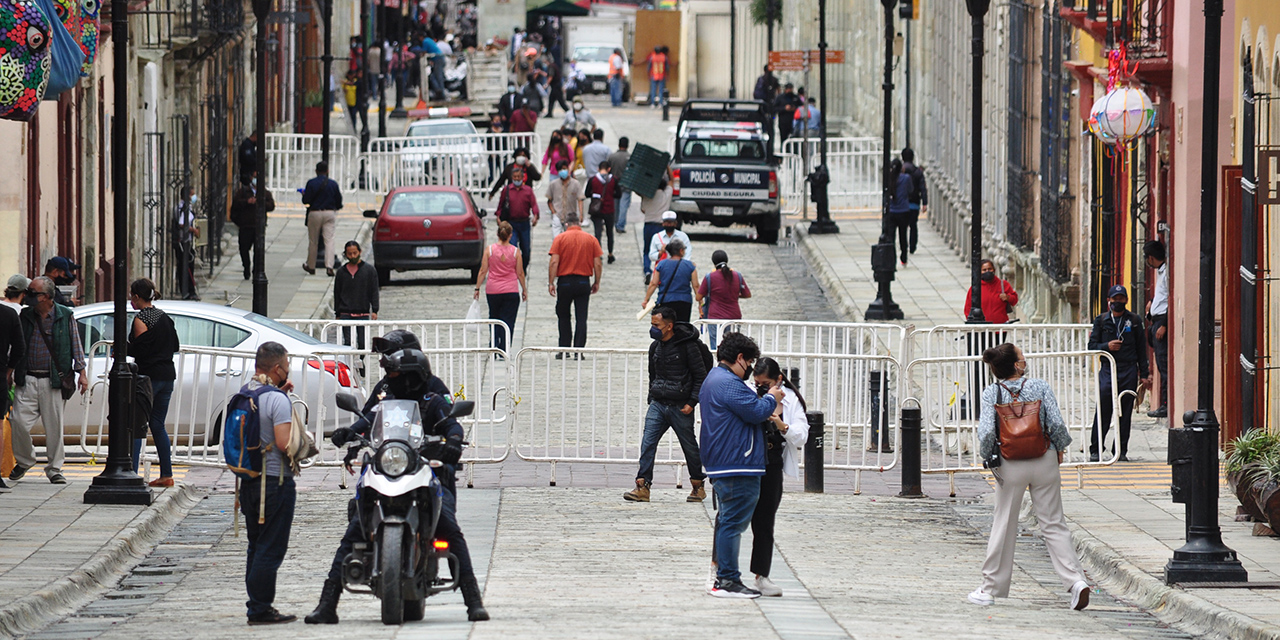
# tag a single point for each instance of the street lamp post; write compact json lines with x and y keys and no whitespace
{"x":883,"y":260}
{"x":977,"y":11}
{"x":733,"y":50}
{"x":821,"y":177}
{"x":261,"y":8}
{"x":1204,"y":558}
{"x":118,"y":484}
{"x":327,"y":59}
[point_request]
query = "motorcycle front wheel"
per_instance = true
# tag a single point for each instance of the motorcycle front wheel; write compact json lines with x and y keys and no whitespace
{"x":392,"y":586}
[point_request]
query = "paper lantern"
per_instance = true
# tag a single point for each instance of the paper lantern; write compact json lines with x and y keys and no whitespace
{"x":1121,"y":115}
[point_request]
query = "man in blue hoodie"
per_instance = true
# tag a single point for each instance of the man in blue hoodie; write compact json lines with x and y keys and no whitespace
{"x":733,"y":453}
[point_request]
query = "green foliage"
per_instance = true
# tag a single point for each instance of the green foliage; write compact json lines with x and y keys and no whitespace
{"x":1251,"y":448}
{"x":760,"y":11}
{"x":313,"y":99}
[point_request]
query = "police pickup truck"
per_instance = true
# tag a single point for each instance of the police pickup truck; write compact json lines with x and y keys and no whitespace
{"x":723,"y":166}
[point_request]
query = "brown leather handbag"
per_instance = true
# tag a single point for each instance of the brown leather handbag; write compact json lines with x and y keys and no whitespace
{"x":1020,"y":434}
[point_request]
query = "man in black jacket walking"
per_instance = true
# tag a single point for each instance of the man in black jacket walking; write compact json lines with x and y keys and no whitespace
{"x":355,"y":292}
{"x":1118,"y":332}
{"x":918,"y":200}
{"x":676,"y":372}
{"x":244,"y":212}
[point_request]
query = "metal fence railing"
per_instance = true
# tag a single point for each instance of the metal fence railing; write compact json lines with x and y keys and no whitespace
{"x":815,"y":337}
{"x":473,"y":162}
{"x":855,"y":165}
{"x":291,"y":161}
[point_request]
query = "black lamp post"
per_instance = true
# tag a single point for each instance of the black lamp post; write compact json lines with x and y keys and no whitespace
{"x":883,"y":260}
{"x":1204,"y":558}
{"x":261,"y":8}
{"x":820,"y":178}
{"x":327,"y":59}
{"x":977,"y":11}
{"x":118,"y":484}
{"x":733,"y":50}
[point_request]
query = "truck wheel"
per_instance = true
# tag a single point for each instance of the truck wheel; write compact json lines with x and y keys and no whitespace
{"x":767,"y":236}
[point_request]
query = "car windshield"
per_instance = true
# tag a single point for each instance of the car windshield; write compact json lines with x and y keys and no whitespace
{"x":442,"y":129}
{"x":285,"y":329}
{"x":592,"y":54}
{"x":427,"y":203}
{"x":747,"y":150}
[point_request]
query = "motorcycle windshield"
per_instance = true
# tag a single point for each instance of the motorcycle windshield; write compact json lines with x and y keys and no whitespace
{"x":397,"y":420}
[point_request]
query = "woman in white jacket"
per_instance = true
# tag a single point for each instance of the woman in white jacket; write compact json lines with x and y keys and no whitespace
{"x":785,"y":434}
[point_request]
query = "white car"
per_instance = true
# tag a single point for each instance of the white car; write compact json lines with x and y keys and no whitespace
{"x":207,"y":375}
{"x":592,"y":61}
{"x":446,"y":151}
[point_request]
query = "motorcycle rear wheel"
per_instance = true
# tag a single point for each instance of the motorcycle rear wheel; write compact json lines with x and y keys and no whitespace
{"x":390,"y":582}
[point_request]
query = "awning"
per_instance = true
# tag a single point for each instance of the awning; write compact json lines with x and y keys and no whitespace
{"x":558,"y":7}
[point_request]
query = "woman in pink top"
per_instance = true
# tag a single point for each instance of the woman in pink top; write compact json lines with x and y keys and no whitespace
{"x":556,"y":151}
{"x":502,"y":266}
{"x":719,"y":293}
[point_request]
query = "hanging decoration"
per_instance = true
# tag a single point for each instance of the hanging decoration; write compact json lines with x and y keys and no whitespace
{"x":89,"y":10}
{"x":1124,"y":113}
{"x":24,"y":58}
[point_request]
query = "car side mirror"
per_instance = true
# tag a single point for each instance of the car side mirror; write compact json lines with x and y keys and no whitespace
{"x":462,"y":408}
{"x":370,"y":213}
{"x":484,"y":213}
{"x":347,"y":402}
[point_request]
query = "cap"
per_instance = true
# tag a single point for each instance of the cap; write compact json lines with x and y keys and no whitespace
{"x":669,"y":215}
{"x":19,"y":282}
{"x":531,"y":51}
{"x":1117,"y":290}
{"x":59,"y":262}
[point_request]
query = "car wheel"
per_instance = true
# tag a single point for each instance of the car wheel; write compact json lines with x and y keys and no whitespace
{"x":767,"y":236}
{"x":215,"y":433}
{"x":384,"y":276}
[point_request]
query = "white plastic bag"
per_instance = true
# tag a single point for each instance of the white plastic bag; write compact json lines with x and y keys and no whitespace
{"x":476,"y":312}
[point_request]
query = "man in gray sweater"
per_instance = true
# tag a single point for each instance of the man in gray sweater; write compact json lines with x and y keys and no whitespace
{"x":355,"y":292}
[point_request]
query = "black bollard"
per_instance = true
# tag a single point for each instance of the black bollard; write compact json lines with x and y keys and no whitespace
{"x":910,"y":452}
{"x":666,"y":104}
{"x":813,"y":456}
{"x":794,"y":376}
{"x":881,"y":440}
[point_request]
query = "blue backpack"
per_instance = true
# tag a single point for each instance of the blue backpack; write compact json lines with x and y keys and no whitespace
{"x":242,"y":433}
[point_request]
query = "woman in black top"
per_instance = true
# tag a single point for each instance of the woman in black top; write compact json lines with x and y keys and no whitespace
{"x":153,"y":343}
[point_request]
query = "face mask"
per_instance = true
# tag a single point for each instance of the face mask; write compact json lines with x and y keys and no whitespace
{"x":577,"y":107}
{"x":1117,"y":306}
{"x":521,"y":160}
{"x":355,"y":260}
{"x":988,"y":276}
{"x":604,"y":176}
{"x":655,"y":333}
{"x":761,"y":389}
{"x":28,"y":300}
{"x":517,"y":183}
{"x":1023,"y":370}
{"x":746,"y":373}
{"x":63,"y":280}
{"x":254,"y":182}
{"x":564,"y":174}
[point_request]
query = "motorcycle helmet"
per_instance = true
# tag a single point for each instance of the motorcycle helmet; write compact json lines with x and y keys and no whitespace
{"x":412,"y":366}
{"x":395,"y":341}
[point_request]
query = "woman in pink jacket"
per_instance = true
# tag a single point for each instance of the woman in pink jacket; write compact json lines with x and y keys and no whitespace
{"x":556,"y":151}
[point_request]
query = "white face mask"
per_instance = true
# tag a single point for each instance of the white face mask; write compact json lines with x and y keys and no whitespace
{"x":521,"y":160}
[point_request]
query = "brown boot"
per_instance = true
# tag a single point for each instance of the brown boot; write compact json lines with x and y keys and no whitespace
{"x":639,"y":494}
{"x":699,"y":492}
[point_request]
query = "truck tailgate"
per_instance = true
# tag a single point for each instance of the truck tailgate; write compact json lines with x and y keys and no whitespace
{"x":724,"y":183}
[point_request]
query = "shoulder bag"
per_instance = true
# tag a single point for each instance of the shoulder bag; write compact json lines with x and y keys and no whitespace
{"x":1020,"y":435}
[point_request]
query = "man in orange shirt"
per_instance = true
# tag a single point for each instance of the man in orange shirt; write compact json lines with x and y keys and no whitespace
{"x":575,"y":257}
{"x":616,"y":77}
{"x":657,"y":75}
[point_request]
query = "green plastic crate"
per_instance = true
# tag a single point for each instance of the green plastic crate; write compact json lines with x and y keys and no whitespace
{"x":645,"y":170}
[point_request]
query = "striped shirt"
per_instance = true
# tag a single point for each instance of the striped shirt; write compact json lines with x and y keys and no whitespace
{"x":38,"y":359}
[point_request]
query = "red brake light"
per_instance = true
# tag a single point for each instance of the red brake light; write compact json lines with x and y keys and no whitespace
{"x":773,"y":184}
{"x":339,"y":370}
{"x":442,"y":545}
{"x":675,"y":182}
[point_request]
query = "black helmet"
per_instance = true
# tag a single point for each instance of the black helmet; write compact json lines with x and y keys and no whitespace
{"x":408,"y":363}
{"x":395,"y":341}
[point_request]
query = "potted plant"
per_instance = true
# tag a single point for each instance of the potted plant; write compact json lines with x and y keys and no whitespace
{"x":1266,"y":483}
{"x":1244,"y":467}
{"x":313,"y":112}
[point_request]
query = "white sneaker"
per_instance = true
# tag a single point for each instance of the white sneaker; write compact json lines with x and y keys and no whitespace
{"x":982,"y":598}
{"x":767,"y":588}
{"x":1079,"y":595}
{"x":711,"y":579}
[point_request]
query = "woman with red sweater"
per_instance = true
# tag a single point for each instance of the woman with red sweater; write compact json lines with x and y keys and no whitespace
{"x":998,"y":296}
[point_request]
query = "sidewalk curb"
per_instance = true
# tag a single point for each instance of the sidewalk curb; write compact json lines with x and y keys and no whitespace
{"x":826,"y":276}
{"x":1172,"y":605}
{"x":33,"y":611}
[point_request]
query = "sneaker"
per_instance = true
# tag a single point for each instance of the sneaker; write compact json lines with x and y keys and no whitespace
{"x":981,"y":598}
{"x":612,"y":259}
{"x":711,"y":579}
{"x":1093,"y":457}
{"x":767,"y":588}
{"x":1162,"y":412}
{"x":18,"y":472}
{"x":622,"y":230}
{"x":270,"y":617}
{"x":639,"y":494}
{"x":733,"y":589}
{"x":699,"y":492}
{"x":5,"y":487}
{"x":56,"y":478}
{"x":1079,"y":595}
{"x":647,"y":276}
{"x":1123,"y":458}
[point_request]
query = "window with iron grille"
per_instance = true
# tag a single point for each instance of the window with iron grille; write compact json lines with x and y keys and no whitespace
{"x":1019,"y":178}
{"x":1055,"y":160}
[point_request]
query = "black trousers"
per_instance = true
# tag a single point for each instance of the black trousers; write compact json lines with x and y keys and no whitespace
{"x":556,"y":96}
{"x":683,"y":309}
{"x":762,"y":520}
{"x":247,"y":237}
{"x":604,"y":224}
{"x":1104,"y":418}
{"x":901,"y":222}
{"x":914,"y":228}
{"x":1161,"y":349}
{"x":346,"y":331}
{"x":186,"y":264}
{"x":504,"y":307}
{"x":575,"y":291}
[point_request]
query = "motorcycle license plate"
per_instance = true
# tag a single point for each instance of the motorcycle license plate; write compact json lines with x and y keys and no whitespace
{"x":721,"y":211}
{"x":426,"y":252}
{"x":598,"y":86}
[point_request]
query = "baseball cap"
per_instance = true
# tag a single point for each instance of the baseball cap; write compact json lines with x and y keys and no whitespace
{"x":1117,"y":290}
{"x":59,"y":262}
{"x":669,"y":215}
{"x":19,"y":282}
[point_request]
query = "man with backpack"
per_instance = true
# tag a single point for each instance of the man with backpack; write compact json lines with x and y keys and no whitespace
{"x":918,"y":199}
{"x":267,"y":494}
{"x":678,"y":363}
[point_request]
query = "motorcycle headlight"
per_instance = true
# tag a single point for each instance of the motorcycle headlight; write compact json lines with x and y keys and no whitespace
{"x":394,"y":460}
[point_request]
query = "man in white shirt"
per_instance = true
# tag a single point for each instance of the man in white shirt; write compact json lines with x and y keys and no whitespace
{"x":564,"y":196}
{"x":1158,"y":315}
{"x":595,"y":153}
{"x":658,"y":245}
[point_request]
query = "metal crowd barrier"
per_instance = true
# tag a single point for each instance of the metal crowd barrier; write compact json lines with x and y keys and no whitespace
{"x":291,"y":161}
{"x":473,"y":161}
{"x":949,"y":390}
{"x":952,"y":340}
{"x":854,"y":165}
{"x":433,"y":334}
{"x":814,"y":337}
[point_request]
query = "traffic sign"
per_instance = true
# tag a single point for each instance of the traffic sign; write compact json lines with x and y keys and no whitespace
{"x":796,"y":60}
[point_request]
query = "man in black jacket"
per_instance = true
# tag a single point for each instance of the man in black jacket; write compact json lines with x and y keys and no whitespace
{"x":244,"y":212}
{"x":13,"y":348}
{"x":784,"y":106}
{"x":355,"y":292}
{"x":676,"y":372}
{"x":1118,"y":332}
{"x":918,"y":200}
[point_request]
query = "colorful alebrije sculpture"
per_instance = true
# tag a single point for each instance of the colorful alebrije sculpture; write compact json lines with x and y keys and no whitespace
{"x":89,"y":33}
{"x":24,"y":58}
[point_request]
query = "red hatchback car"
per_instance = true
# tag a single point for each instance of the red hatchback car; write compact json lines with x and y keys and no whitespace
{"x":427,"y":227}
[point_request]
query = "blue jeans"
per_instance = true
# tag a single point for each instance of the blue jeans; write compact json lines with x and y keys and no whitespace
{"x":737,"y":497}
{"x":651,"y":229}
{"x":656,"y":422}
{"x":656,"y":89}
{"x":161,"y":391}
{"x":520,"y":231}
{"x":268,"y":541}
{"x":620,"y":207}
{"x":615,"y":91}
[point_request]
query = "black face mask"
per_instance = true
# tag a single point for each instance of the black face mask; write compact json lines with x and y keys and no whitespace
{"x":761,"y":389}
{"x":62,"y":281}
{"x":28,"y":300}
{"x":988,"y":276}
{"x":1117,"y":307}
{"x":403,"y":387}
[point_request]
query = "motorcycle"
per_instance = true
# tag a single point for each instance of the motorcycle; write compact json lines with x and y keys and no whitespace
{"x":398,"y":502}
